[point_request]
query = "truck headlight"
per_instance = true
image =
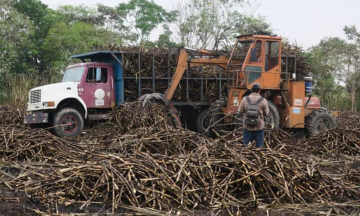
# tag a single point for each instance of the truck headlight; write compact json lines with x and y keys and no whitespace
{"x":49,"y":104}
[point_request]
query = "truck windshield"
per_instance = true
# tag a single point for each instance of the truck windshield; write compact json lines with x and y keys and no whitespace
{"x":73,"y":74}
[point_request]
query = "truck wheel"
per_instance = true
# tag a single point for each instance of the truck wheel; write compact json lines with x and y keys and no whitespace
{"x":68,"y":122}
{"x":216,"y":118}
{"x":202,"y":122}
{"x":317,"y":121}
{"x":274,"y":116}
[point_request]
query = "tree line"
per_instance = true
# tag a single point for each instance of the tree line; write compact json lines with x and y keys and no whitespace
{"x":36,"y":41}
{"x":336,"y":70}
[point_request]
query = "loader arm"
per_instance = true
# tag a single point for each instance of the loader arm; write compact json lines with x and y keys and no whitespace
{"x":184,"y":61}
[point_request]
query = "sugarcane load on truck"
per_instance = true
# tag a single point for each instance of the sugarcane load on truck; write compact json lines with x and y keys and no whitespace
{"x":89,"y":90}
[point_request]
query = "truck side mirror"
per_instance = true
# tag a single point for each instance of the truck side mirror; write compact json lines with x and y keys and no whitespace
{"x":98,"y":74}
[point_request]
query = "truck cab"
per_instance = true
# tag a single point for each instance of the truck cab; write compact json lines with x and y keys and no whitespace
{"x":95,"y":87}
{"x":88,"y":91}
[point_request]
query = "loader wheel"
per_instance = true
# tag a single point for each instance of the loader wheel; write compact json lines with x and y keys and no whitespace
{"x":68,"y":122}
{"x":297,"y":133}
{"x":274,"y":116}
{"x":317,"y":121}
{"x":216,"y":118}
{"x":202,"y":121}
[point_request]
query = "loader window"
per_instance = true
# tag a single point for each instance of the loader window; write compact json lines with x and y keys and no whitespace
{"x":256,"y":53}
{"x":272,"y":54}
{"x":241,"y":50}
{"x":252,"y":73}
{"x":91,"y":75}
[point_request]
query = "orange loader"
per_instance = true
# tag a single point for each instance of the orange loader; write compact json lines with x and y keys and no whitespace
{"x":256,"y":58}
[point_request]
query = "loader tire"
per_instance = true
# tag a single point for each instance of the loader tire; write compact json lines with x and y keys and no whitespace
{"x":202,"y":122}
{"x":274,"y":116}
{"x":68,"y":122}
{"x":297,"y":133}
{"x":317,"y":121}
{"x":216,"y":118}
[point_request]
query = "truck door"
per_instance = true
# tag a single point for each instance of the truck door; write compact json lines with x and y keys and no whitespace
{"x":99,"y":87}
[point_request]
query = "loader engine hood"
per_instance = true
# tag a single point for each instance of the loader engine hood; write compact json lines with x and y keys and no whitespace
{"x":49,"y":96}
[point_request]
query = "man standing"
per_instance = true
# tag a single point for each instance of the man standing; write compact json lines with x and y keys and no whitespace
{"x":258,"y":54}
{"x":255,"y":108}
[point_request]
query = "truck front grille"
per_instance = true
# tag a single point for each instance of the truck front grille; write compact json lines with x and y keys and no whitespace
{"x":35,"y":96}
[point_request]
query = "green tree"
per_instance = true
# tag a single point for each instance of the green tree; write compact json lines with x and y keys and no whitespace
{"x":15,"y":32}
{"x":326,"y":59}
{"x":31,"y":55}
{"x":337,"y":62}
{"x":66,"y":39}
{"x":90,"y":15}
{"x":15,"y":29}
{"x":115,"y":23}
{"x":143,"y":16}
{"x":165,"y":40}
{"x":214,"y":24}
{"x":352,"y":63}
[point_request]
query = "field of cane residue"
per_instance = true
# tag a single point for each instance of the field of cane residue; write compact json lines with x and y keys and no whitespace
{"x":138,"y":163}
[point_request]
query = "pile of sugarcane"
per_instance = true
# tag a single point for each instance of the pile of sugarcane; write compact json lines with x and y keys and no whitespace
{"x":349,"y":120}
{"x":335,"y":141}
{"x":343,"y":139}
{"x":215,"y":177}
{"x":10,"y":115}
{"x":20,"y":143}
{"x":303,"y":67}
{"x":138,"y":160}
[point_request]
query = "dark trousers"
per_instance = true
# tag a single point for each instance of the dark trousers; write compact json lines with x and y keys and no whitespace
{"x":258,"y":136}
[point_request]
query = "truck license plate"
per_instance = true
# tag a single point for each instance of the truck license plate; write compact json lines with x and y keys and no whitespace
{"x":99,"y":102}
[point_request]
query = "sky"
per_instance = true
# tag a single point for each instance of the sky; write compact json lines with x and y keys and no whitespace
{"x":305,"y":22}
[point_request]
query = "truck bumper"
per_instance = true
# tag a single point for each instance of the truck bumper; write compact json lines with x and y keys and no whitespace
{"x":36,"y":118}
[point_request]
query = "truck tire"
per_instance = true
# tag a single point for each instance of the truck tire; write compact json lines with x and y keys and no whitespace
{"x":202,"y":122}
{"x":274,"y":116}
{"x":318,"y":120}
{"x":68,"y":122}
{"x":216,"y":115}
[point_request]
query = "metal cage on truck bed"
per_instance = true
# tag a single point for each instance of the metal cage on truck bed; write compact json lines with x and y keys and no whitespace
{"x":199,"y":86}
{"x":138,"y":73}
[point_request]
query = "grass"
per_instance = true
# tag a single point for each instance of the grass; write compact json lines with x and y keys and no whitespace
{"x":16,"y":90}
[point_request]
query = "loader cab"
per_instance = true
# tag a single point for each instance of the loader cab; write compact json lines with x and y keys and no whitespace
{"x":261,"y":62}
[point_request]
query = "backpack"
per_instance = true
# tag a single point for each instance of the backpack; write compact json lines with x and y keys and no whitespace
{"x":252,"y":114}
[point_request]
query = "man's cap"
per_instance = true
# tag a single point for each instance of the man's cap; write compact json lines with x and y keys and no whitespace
{"x":255,"y":86}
